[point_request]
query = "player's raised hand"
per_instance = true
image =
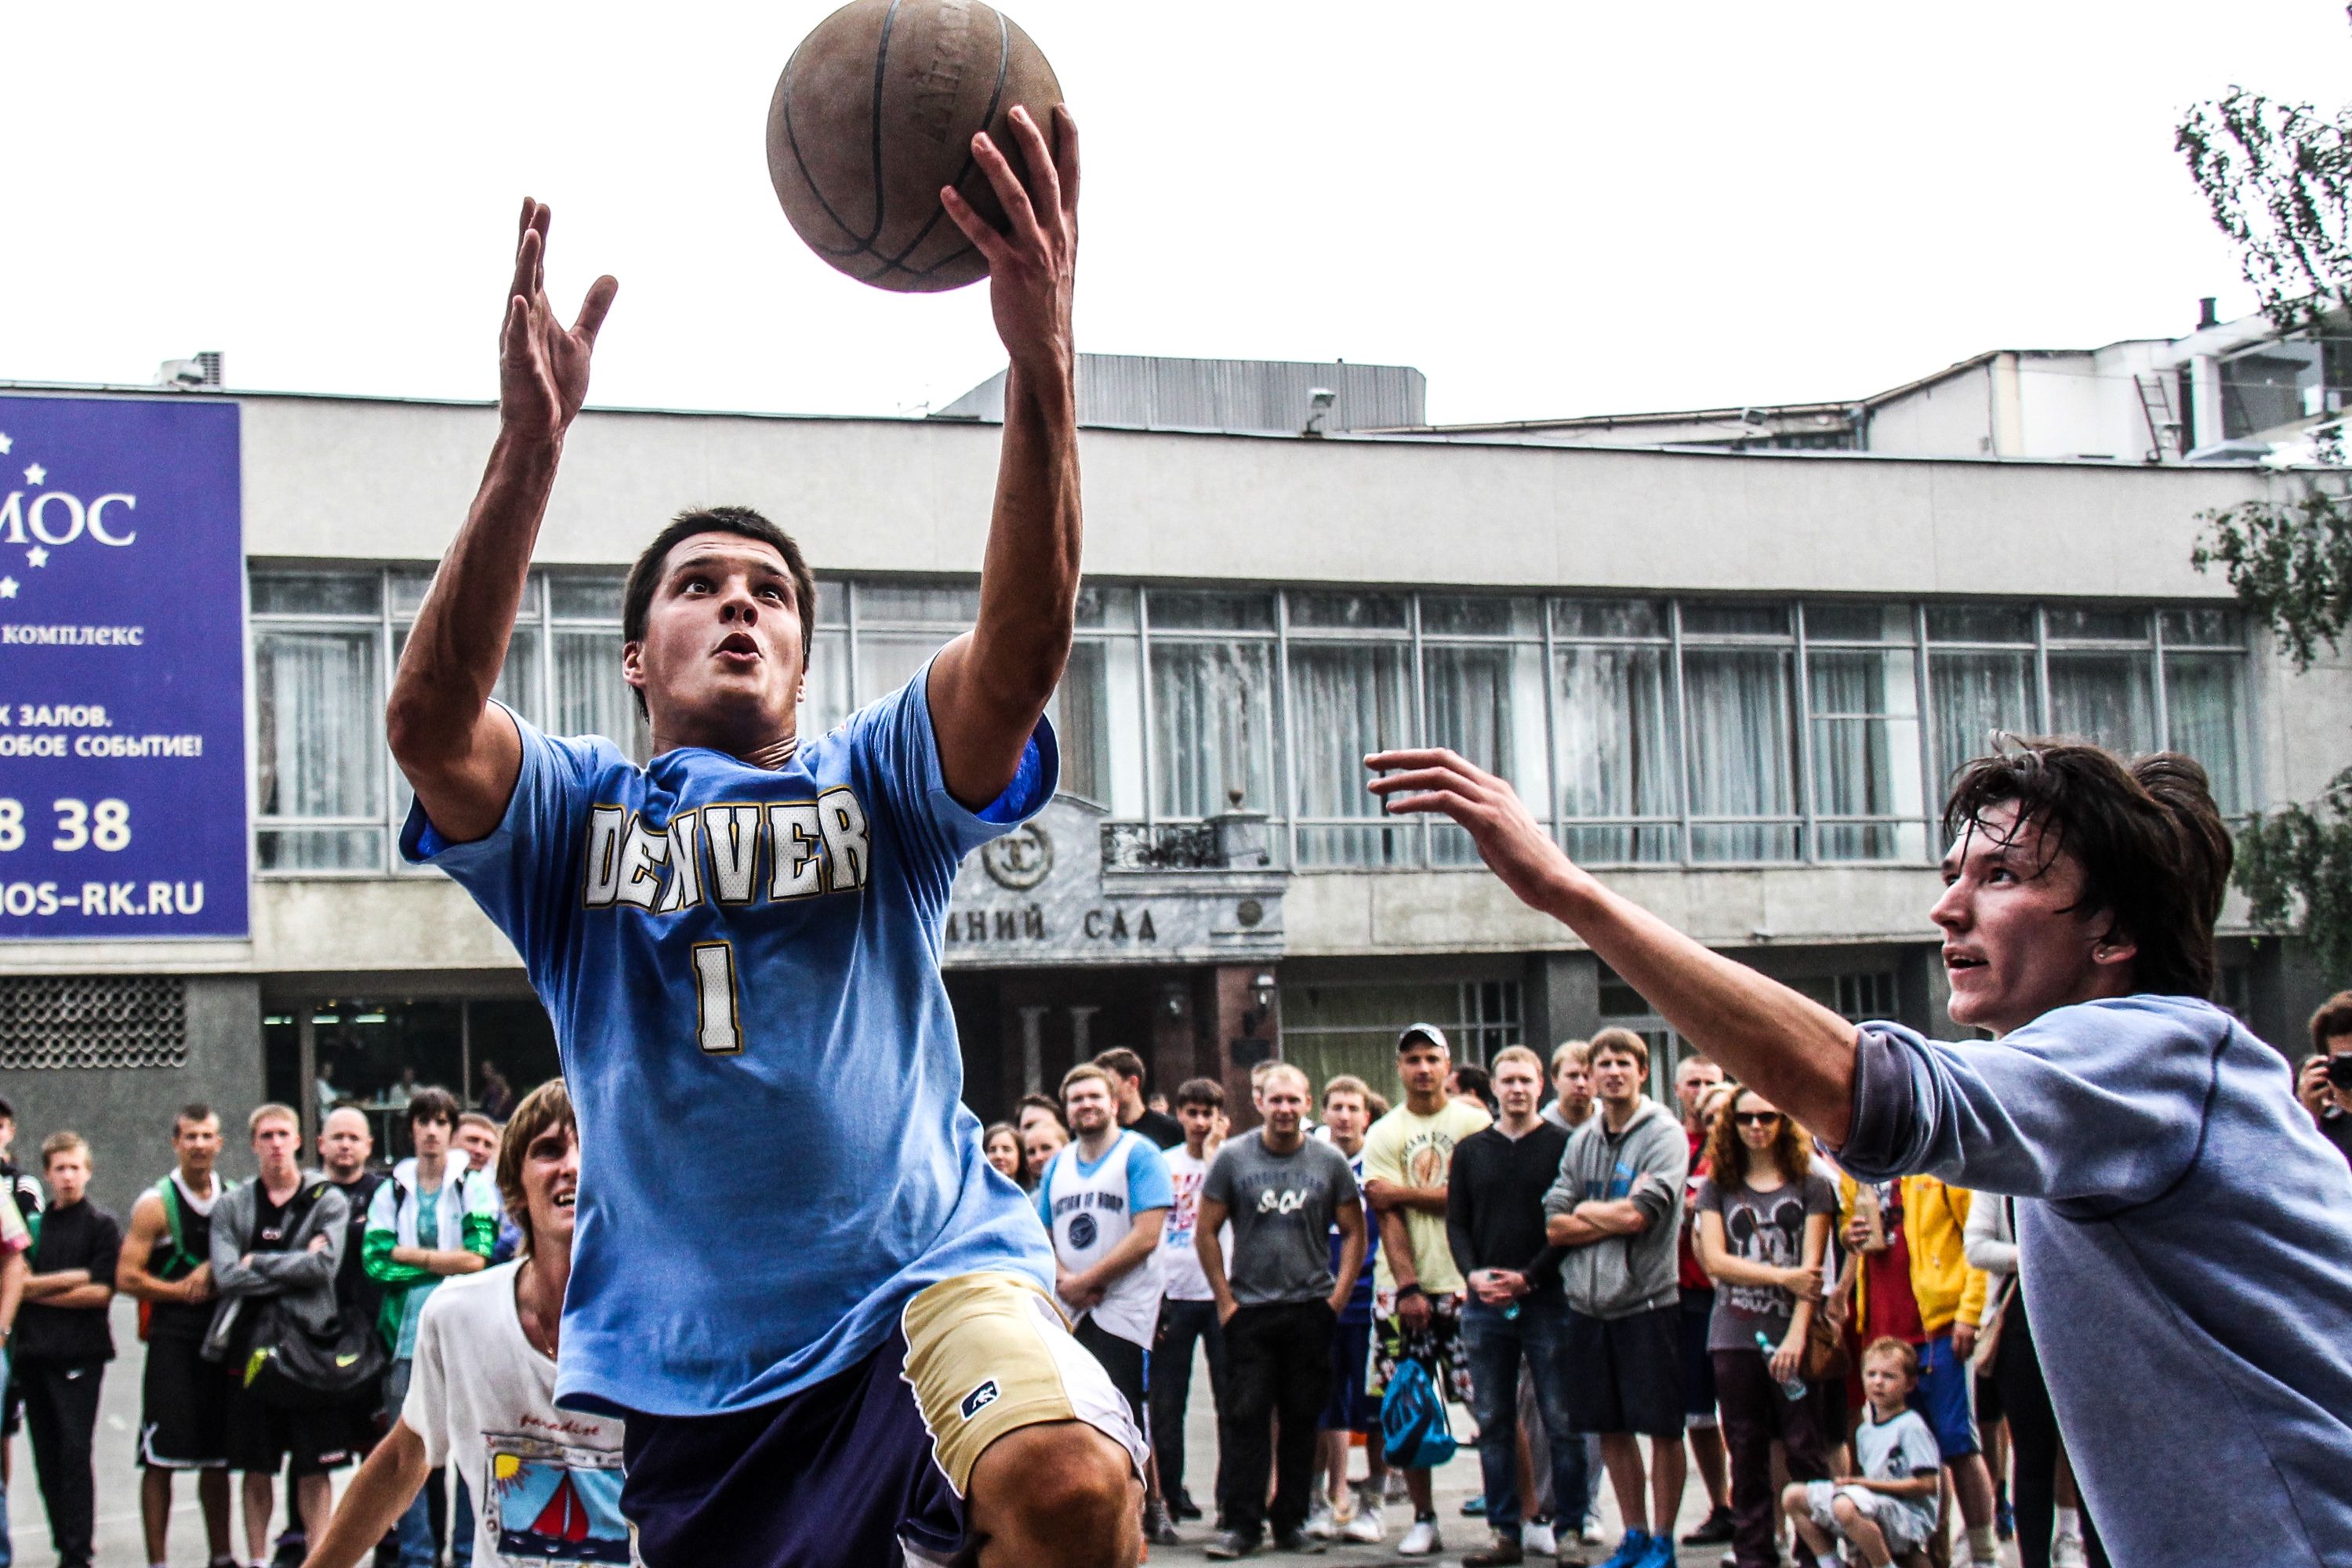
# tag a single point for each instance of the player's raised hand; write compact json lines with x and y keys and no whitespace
{"x":1032,"y":265}
{"x":1509,"y":839}
{"x":542,"y":363}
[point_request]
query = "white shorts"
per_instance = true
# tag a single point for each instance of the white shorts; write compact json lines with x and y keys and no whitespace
{"x":1896,"y":1519}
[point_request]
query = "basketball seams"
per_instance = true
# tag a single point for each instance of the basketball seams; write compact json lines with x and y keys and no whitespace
{"x":801,"y":167}
{"x":995,"y":99}
{"x":881,"y":71}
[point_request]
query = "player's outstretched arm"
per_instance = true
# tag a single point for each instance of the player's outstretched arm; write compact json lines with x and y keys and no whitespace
{"x":386,"y":1484}
{"x":461,"y":754}
{"x":989,"y":686}
{"x":1788,"y":1048}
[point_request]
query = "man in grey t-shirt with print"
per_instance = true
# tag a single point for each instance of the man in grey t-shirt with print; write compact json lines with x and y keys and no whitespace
{"x":1283,"y":1192}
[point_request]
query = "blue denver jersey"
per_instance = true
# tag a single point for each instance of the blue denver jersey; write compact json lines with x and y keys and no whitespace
{"x":742,"y":965}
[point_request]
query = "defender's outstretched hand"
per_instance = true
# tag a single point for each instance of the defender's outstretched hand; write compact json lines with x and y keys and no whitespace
{"x":542,"y":363}
{"x":1032,"y":265}
{"x":1509,"y":839}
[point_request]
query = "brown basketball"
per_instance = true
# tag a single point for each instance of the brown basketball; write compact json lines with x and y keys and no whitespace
{"x":876,"y":110}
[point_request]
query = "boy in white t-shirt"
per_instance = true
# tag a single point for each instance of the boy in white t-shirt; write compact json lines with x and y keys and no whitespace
{"x":545,"y":1484}
{"x":1188,"y":1311}
{"x":1889,"y":1509}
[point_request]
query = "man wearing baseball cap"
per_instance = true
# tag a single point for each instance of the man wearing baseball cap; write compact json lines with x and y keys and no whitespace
{"x":1416,"y":1288}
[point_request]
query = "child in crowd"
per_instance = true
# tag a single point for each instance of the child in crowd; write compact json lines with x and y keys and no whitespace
{"x":1889,"y":1509}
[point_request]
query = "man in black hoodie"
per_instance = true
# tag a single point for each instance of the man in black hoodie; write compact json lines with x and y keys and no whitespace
{"x":63,"y":1343}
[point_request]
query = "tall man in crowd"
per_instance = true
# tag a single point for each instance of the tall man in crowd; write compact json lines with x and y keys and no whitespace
{"x":1695,"y":1079}
{"x":1346,"y":1117}
{"x":1416,"y":1289}
{"x":1617,"y":1208}
{"x":1187,"y":1308}
{"x":1279,"y":1301}
{"x":1104,"y":1200}
{"x":63,"y":1342}
{"x":485,"y":1386}
{"x":166,"y":1264}
{"x":1125,"y":1069}
{"x":276,"y":1241}
{"x":437,"y":1217}
{"x":1494,"y":1225}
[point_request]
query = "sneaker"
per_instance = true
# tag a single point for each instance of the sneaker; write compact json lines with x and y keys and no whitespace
{"x":1295,"y":1540}
{"x":1366,"y":1527}
{"x":1475,"y":1506}
{"x":1420,"y":1541}
{"x":1714,"y":1530}
{"x":1592,"y":1534}
{"x":1392,"y":1489}
{"x":2066,"y":1552}
{"x":1503,"y":1553}
{"x":1159,"y":1528}
{"x":1535,"y":1537}
{"x":1230,"y":1544}
{"x":1322,"y":1524}
{"x":2004,"y":1517}
{"x":1633,"y":1552}
{"x":1661,"y":1554}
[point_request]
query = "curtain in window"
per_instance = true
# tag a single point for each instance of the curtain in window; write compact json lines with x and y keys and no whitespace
{"x":888,"y":662}
{"x":1865,"y":753}
{"x":1487,"y":703}
{"x":590,"y":697}
{"x":2108,"y":698}
{"x":825,"y":696}
{"x":1094,"y":714}
{"x":1615,"y":754}
{"x":319,"y":712}
{"x":1212,"y":727}
{"x":2205,"y":705}
{"x":1976,"y":696}
{"x":1742,"y":750}
{"x":1350,"y":702}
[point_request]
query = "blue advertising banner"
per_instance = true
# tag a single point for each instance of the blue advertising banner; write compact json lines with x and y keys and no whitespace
{"x":122,"y":807}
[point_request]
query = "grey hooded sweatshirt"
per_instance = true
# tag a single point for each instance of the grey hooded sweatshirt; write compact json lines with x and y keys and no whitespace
{"x":2184,"y":1239}
{"x":1648,"y":1162}
{"x":305,"y":1279}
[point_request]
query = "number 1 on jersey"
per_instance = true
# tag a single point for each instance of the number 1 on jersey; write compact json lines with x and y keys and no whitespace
{"x":718,"y":1026}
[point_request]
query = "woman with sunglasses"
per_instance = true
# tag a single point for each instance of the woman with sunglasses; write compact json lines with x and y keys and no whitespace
{"x":1764,"y":1216}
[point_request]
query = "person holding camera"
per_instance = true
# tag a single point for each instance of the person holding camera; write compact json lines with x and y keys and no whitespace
{"x":2325,"y":1083}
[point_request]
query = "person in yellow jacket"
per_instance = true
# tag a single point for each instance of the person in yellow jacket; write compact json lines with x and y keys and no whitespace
{"x":1941,"y":1303}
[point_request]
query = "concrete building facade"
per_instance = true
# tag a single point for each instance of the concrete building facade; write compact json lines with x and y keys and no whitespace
{"x":1733,"y":681}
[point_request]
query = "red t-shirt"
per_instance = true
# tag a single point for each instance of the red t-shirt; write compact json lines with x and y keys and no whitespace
{"x":1693,"y":1278}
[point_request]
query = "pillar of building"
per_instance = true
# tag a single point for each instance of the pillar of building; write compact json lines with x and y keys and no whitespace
{"x":1244,"y":1022}
{"x":1561,"y":999}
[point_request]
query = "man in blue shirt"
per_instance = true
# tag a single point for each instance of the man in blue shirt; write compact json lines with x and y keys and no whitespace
{"x":2186,"y":1234}
{"x":853,"y":1351}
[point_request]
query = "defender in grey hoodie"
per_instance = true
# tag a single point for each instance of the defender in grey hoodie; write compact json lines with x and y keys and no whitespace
{"x":1648,"y":1162}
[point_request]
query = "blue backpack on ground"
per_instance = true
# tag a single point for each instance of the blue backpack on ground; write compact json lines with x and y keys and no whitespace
{"x":1414,"y":1435}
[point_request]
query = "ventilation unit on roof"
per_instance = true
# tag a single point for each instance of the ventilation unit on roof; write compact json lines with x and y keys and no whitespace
{"x":202,"y":373}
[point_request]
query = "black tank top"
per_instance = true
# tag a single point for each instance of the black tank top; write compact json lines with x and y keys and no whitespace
{"x":181,"y":1320}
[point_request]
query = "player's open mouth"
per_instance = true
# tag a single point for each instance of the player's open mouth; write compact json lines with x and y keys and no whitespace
{"x":1956,"y":961}
{"x":738,"y":644}
{"x":565,"y":1200}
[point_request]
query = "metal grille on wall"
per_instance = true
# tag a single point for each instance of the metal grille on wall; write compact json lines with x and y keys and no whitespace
{"x":93,"y":1022}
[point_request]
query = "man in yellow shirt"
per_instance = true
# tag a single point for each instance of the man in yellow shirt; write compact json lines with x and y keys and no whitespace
{"x":1416,"y":1288}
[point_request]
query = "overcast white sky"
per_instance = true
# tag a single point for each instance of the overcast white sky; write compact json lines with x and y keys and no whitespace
{"x":1550,"y":208}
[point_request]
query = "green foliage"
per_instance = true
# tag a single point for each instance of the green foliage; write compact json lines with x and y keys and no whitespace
{"x":2295,"y":867}
{"x":2278,"y":178}
{"x":2290,"y":563}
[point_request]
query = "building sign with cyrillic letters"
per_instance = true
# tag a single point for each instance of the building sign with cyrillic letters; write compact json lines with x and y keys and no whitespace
{"x":122,"y":801}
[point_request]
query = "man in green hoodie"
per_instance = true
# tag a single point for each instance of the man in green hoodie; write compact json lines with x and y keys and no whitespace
{"x":1618,"y":1209}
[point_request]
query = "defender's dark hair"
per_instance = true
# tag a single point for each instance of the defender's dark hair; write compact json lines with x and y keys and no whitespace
{"x":638,"y":597}
{"x":2333,"y":1020}
{"x":194,"y":1110}
{"x":1124,"y":1063}
{"x":2154,"y":851}
{"x":433,"y":1104}
{"x":1205,"y":1092}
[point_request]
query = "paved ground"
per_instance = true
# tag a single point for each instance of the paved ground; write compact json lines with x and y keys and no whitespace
{"x":119,"y":1543}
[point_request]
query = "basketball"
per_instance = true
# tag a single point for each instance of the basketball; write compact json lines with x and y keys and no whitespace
{"x":876,"y":111}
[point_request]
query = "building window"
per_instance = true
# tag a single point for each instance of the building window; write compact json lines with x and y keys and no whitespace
{"x":1483,"y":695}
{"x":319,"y":757}
{"x":1862,"y":687}
{"x":1616,"y":741}
{"x":1740,"y":695}
{"x":1350,"y":662}
{"x":1212,"y":702}
{"x":1352,"y":1027}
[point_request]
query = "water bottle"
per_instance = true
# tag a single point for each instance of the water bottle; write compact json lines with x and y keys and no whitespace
{"x":1792,"y":1390}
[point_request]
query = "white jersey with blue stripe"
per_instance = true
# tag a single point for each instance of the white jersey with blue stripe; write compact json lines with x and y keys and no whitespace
{"x":742,"y":965}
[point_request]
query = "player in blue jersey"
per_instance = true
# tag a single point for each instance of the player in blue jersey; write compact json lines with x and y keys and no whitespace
{"x":857,"y":1353}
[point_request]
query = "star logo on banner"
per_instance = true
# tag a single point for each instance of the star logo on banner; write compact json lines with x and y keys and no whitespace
{"x":37,"y":556}
{"x":37,"y":475}
{"x":8,"y":587}
{"x":5,"y":444}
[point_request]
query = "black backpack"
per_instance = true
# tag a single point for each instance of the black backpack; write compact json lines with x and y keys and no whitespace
{"x":297,"y":1370}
